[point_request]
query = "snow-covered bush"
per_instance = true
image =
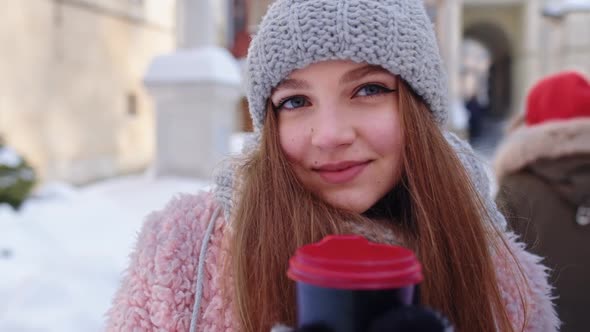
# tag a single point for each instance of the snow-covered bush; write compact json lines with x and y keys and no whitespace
{"x":17,"y":177}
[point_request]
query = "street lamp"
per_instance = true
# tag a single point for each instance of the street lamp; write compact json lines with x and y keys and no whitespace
{"x":559,"y":9}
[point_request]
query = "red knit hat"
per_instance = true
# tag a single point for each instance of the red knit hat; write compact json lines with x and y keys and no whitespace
{"x":558,"y":97}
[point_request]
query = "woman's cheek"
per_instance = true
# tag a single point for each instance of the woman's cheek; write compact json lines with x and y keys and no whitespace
{"x":292,"y":143}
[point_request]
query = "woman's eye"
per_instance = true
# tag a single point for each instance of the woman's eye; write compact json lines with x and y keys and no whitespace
{"x":372,"y":90}
{"x":293,"y":103}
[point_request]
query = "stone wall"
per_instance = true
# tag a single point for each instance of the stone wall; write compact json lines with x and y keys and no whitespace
{"x":567,"y":43}
{"x":71,"y":93}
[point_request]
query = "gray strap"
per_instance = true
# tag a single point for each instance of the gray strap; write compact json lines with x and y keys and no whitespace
{"x":201,"y":270}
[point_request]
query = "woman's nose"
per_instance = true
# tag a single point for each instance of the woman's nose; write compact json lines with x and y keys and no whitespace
{"x":332,"y":128}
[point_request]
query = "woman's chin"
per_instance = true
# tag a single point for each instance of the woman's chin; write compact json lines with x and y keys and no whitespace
{"x":355,"y":206}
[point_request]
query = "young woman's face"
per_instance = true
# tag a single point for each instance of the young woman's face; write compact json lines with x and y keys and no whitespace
{"x":339,"y":127}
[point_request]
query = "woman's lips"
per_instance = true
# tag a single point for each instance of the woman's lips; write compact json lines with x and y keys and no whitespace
{"x":341,"y":172}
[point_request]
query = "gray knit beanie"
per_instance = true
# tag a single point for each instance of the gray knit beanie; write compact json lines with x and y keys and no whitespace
{"x":394,"y":34}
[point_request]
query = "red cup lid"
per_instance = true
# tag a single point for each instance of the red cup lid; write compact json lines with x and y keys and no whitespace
{"x":352,"y":262}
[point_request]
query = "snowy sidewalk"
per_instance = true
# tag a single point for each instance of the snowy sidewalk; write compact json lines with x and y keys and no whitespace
{"x":62,"y":255}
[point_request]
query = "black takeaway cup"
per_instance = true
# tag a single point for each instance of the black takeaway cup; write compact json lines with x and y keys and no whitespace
{"x":344,"y":282}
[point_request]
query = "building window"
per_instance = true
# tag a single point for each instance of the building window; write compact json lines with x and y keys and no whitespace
{"x":132,"y":104}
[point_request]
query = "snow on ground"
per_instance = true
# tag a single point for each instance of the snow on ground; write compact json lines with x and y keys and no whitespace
{"x":62,"y":254}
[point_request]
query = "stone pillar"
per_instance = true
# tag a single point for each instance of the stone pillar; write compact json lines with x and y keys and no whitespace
{"x":196,"y":91}
{"x":529,"y":62}
{"x":194,"y":24}
{"x":452,"y":24}
{"x":577,"y":41}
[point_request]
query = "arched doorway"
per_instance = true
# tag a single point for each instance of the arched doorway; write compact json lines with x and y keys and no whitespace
{"x":500,"y":78}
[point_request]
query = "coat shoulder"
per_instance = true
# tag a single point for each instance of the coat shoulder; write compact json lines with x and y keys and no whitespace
{"x":184,"y":212}
{"x":157,"y":291}
{"x":524,"y":197}
{"x":524,"y":286}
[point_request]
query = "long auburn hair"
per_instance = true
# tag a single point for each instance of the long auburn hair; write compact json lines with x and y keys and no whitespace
{"x":442,"y":219}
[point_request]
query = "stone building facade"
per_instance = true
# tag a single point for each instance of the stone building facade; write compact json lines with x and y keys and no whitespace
{"x":526,"y":44}
{"x":71,"y":93}
{"x":72,"y":97}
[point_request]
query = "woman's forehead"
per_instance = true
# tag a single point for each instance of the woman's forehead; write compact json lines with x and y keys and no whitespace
{"x":342,"y":70}
{"x":347,"y":68}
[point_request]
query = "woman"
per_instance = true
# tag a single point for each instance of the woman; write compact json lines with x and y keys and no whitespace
{"x":347,"y":99}
{"x":543,"y":169}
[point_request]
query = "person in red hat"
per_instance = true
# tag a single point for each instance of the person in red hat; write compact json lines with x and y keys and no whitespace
{"x":543,"y":168}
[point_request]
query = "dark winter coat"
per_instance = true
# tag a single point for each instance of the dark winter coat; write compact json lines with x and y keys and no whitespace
{"x":544,"y":188}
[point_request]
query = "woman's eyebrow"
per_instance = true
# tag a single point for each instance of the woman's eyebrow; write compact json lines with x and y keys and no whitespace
{"x":358,"y":73}
{"x":291,"y":83}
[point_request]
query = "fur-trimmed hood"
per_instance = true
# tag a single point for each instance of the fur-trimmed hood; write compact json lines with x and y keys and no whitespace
{"x":550,"y":140}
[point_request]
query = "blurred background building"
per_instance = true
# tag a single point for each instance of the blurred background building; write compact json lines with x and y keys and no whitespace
{"x":73,"y":95}
{"x":524,"y":39}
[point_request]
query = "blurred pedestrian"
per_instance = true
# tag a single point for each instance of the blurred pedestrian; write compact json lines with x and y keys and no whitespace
{"x":348,"y":101}
{"x":476,"y":118}
{"x":474,"y":75}
{"x":543,"y":168}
